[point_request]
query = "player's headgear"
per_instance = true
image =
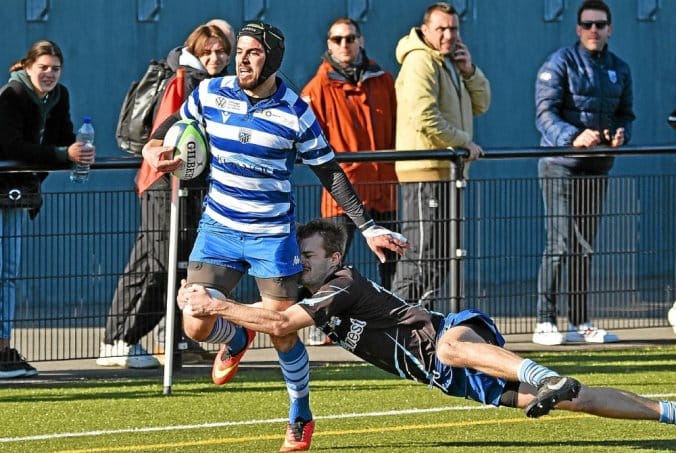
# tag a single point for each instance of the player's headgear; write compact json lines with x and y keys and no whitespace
{"x":272,"y":40}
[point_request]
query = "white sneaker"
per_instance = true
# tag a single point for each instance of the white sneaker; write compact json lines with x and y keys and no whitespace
{"x":140,"y":358}
{"x":121,"y":354}
{"x":547,"y":334}
{"x":671,"y":316}
{"x":589,"y":333}
{"x":112,"y":354}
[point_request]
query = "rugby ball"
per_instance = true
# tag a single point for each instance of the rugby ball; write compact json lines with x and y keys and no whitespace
{"x":192,"y":147}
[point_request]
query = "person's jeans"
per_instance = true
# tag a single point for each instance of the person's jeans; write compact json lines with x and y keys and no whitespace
{"x":573,"y":202}
{"x":11,"y":222}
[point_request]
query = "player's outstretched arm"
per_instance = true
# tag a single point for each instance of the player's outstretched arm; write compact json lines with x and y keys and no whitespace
{"x":334,"y":180}
{"x":379,"y":238}
{"x":196,"y":301}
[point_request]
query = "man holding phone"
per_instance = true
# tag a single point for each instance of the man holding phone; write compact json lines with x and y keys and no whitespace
{"x":583,"y":99}
{"x":439,"y":91}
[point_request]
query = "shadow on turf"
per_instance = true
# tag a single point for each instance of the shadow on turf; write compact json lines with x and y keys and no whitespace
{"x":600,"y":445}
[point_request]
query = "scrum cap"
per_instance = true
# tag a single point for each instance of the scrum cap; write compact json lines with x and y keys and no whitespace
{"x":272,"y":40}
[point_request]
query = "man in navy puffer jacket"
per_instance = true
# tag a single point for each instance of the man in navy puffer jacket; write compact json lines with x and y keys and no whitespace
{"x":583,"y":99}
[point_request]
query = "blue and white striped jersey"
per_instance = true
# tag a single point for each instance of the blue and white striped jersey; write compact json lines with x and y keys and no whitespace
{"x":253,"y":152}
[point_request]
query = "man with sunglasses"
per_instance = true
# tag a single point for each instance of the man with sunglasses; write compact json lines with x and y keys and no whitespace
{"x":439,"y":91}
{"x":354,"y":101}
{"x":583,"y":99}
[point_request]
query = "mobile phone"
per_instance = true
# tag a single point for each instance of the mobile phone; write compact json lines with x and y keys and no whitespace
{"x":456,"y":47}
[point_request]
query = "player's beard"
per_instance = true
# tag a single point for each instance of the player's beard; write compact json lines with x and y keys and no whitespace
{"x":249,"y":83}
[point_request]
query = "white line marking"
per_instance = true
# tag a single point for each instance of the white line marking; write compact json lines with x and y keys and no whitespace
{"x":261,"y":422}
{"x":240,"y":423}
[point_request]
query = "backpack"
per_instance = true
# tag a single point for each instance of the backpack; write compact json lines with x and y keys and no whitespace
{"x":138,"y":108}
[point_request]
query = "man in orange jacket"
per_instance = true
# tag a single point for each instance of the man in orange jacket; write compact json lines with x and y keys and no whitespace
{"x":354,"y":101}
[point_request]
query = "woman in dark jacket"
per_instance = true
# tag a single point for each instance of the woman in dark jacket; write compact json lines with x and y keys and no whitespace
{"x":35,"y":127}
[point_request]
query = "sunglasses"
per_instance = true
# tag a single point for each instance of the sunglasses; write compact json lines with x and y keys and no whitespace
{"x":339,"y":39}
{"x":587,"y":24}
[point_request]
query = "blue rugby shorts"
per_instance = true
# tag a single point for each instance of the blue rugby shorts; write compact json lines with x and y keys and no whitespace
{"x":464,"y":382}
{"x":260,"y":256}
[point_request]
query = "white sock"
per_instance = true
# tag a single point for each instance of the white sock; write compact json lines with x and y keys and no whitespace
{"x":533,"y":373}
{"x":668,"y":412}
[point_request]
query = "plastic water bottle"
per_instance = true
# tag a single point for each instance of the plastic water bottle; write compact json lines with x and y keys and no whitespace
{"x":85,"y":134}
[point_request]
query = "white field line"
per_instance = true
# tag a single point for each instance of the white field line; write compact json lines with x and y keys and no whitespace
{"x":240,"y":423}
{"x":260,"y":422}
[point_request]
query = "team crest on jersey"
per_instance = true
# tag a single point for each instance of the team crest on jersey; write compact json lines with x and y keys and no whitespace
{"x":244,"y":135}
{"x":612,"y":75}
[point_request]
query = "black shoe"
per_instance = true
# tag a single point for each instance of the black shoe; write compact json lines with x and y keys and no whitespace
{"x":550,"y":391}
{"x":13,"y":364}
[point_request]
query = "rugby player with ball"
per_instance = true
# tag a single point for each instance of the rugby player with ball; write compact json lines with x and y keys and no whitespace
{"x":256,"y":127}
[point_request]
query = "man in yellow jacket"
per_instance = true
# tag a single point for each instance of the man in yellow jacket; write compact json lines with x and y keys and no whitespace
{"x":439,"y":91}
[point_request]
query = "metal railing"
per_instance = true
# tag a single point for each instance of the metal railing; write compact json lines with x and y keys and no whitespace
{"x":75,"y":251}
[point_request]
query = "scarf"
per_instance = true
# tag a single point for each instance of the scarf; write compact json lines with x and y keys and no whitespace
{"x":353,"y":71}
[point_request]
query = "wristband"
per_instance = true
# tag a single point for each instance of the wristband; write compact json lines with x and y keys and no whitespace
{"x":377,"y":230}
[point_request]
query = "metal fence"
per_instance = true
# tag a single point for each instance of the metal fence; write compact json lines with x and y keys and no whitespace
{"x":75,"y":251}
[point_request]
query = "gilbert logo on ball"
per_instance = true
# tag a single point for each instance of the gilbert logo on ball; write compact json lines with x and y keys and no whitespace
{"x":192,"y":147}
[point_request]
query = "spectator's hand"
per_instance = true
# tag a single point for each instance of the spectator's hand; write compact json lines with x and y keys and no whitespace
{"x":160,"y":157}
{"x":81,"y":153}
{"x":588,"y":138}
{"x":475,"y":151}
{"x":379,"y":238}
{"x":463,"y":59}
{"x":617,"y":139}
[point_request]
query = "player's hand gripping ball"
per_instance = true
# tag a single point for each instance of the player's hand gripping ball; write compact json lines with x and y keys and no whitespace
{"x":192,"y":147}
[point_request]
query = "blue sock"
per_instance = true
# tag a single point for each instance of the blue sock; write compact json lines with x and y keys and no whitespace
{"x":533,"y":373}
{"x":296,"y":370}
{"x":668,"y":412}
{"x":231,"y":334}
{"x":238,"y":341}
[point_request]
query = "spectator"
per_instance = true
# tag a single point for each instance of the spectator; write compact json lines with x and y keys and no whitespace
{"x":461,"y":353}
{"x":354,"y":101}
{"x":583,"y":99}
{"x":35,"y":128}
{"x":439,"y":90}
{"x":139,"y":302}
{"x":227,"y":30}
{"x":256,"y":127}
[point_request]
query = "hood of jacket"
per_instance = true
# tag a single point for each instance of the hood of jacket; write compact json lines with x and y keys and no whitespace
{"x":46,"y":103}
{"x":182,"y":57}
{"x":412,"y":42}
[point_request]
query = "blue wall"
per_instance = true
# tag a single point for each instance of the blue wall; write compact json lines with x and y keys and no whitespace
{"x":106,"y":47}
{"x":107,"y":44}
